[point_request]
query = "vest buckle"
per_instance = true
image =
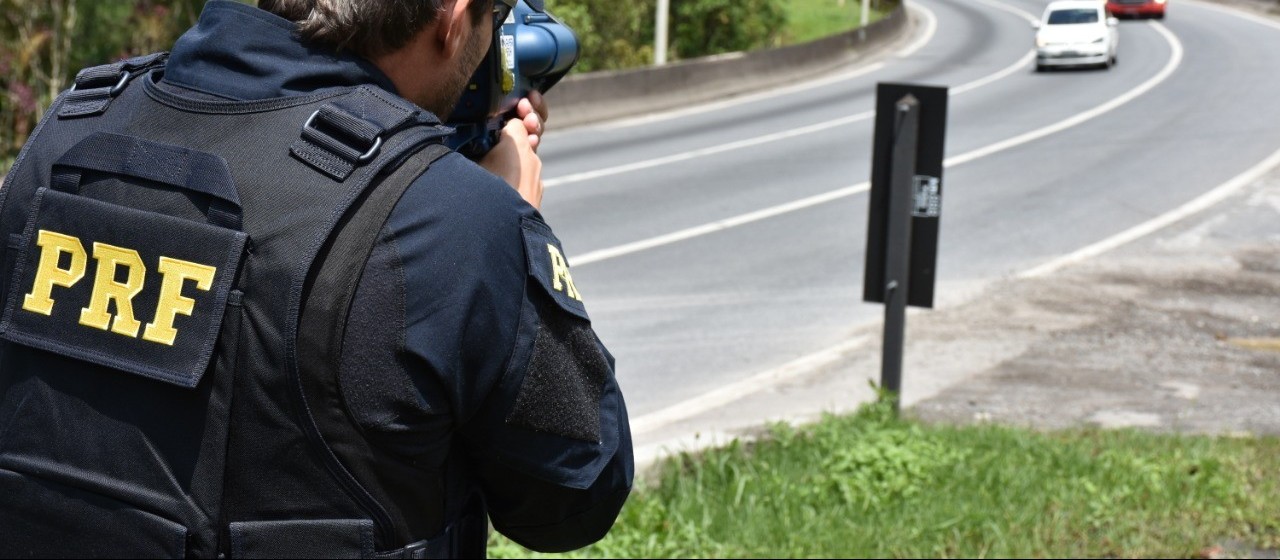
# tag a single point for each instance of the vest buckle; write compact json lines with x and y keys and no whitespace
{"x":95,"y":87}
{"x":363,"y":158}
{"x":90,"y":82}
{"x":336,"y":141}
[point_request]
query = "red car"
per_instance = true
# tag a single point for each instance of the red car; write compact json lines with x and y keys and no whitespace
{"x":1137,"y":8}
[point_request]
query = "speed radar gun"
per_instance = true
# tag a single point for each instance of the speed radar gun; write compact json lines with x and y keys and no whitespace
{"x":531,"y":51}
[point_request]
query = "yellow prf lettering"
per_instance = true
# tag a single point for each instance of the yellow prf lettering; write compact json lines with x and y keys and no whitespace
{"x":172,"y":302}
{"x":106,"y":289}
{"x":52,"y":246}
{"x":560,"y":278}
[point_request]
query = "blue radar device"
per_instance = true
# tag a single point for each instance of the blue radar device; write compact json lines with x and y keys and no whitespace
{"x":531,"y":50}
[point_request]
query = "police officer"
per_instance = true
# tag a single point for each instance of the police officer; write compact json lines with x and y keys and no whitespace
{"x":222,"y":336}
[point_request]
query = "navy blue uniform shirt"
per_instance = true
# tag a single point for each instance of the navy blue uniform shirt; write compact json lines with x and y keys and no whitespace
{"x":468,"y":341}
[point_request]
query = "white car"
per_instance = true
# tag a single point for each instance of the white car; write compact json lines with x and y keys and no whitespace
{"x":1076,"y":32}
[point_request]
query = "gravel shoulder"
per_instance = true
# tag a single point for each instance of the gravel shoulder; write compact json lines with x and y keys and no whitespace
{"x":1178,"y":331}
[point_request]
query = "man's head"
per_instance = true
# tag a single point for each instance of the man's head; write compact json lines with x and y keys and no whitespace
{"x":429,"y":48}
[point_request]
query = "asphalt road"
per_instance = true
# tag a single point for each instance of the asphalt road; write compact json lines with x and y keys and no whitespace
{"x":715,"y":244}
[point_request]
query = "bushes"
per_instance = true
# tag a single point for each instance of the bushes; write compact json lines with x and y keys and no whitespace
{"x":706,"y":27}
{"x":613,"y":34}
{"x":619,"y":35}
{"x":44,"y":42}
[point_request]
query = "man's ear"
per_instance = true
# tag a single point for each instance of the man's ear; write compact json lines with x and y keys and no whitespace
{"x":452,"y":26}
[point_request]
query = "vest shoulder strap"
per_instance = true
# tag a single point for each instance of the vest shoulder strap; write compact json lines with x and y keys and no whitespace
{"x":95,"y":87}
{"x":325,"y":308}
{"x":322,"y":327}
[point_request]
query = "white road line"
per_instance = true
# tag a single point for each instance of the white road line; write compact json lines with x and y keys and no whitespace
{"x":1174,"y":61}
{"x":703,"y":152}
{"x":930,"y":29}
{"x":739,"y":100}
{"x":721,"y":225}
{"x":767,"y":138}
{"x":1031,"y":18}
{"x":1162,"y":221}
{"x":930,"y":21}
{"x":734,"y":391}
{"x":1021,"y":62}
{"x":1171,"y":217}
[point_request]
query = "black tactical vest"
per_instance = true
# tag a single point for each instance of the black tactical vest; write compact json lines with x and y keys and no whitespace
{"x":175,"y":275}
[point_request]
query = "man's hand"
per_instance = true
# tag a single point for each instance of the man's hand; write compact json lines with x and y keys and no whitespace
{"x":532,"y":111}
{"x":514,"y":158}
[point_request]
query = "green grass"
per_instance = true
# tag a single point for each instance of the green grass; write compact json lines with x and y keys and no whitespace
{"x":869,"y":485}
{"x":813,"y":19}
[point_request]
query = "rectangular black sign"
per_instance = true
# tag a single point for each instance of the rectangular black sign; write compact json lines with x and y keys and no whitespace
{"x":927,"y":187}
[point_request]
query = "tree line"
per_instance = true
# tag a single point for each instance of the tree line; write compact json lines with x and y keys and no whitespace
{"x":43,"y":43}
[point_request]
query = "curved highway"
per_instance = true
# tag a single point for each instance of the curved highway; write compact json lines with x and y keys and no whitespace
{"x":718,"y":242}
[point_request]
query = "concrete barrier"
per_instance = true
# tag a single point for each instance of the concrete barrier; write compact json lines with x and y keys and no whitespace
{"x":598,"y":96}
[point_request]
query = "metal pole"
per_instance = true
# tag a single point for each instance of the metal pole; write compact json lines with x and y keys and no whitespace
{"x":898,"y":249}
{"x":862,"y":23}
{"x":660,"y":33}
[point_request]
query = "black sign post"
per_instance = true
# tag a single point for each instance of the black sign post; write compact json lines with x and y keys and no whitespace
{"x":904,"y":210}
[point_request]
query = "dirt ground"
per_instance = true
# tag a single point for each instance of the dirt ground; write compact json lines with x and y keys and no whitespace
{"x":1177,"y":331}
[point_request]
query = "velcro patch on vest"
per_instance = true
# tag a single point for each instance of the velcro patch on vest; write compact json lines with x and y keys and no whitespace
{"x":124,"y":288}
{"x":548,"y":265}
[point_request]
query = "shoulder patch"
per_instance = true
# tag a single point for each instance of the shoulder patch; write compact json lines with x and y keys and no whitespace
{"x":548,"y":264}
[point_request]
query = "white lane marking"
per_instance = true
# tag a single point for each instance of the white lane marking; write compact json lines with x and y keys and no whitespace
{"x":930,"y":29}
{"x":777,"y":136}
{"x":1021,"y":62}
{"x":764,"y":139}
{"x":1196,"y":205}
{"x":721,"y":225}
{"x":1174,"y":61}
{"x":737,"y":390}
{"x":931,"y":26}
{"x":703,"y":152}
{"x":614,"y":125}
{"x":930,"y":22}
{"x":1031,"y":18}
{"x":727,"y":103}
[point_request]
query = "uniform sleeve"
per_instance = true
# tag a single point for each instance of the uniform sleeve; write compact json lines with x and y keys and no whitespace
{"x":495,"y":318}
{"x":552,"y":443}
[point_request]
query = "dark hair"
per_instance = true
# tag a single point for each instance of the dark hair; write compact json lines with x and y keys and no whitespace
{"x":367,"y":27}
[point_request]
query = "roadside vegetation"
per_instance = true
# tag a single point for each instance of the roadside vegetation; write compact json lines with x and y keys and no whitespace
{"x":619,"y":35}
{"x":808,"y":20}
{"x":44,"y":42}
{"x":869,"y":485}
